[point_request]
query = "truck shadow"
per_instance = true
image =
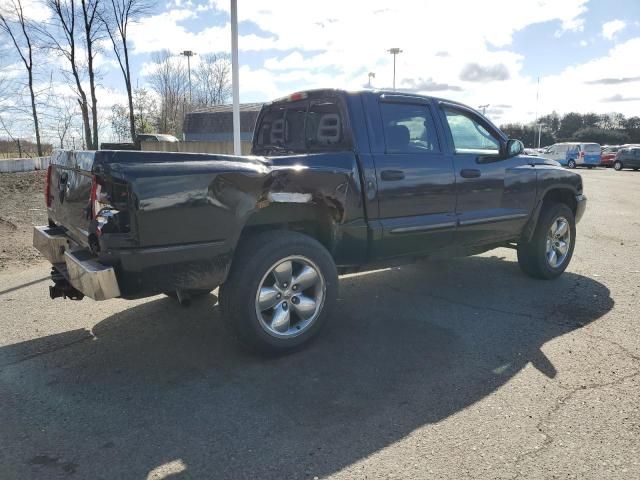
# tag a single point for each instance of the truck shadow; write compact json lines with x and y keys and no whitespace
{"x":161,"y":388}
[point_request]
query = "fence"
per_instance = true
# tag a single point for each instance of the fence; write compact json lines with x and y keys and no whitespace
{"x":23,"y":164}
{"x":221,"y":147}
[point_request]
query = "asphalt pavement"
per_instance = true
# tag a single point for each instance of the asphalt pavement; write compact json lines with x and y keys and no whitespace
{"x":458,"y":369}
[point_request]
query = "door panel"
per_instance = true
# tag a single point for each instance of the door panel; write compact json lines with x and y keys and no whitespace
{"x":416,"y":192}
{"x":494,"y":196}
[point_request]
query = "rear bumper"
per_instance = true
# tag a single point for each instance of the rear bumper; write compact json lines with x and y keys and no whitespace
{"x":134,"y":273}
{"x":581,"y":205}
{"x":81,"y":269}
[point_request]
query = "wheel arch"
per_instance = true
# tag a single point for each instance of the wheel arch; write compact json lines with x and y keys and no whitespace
{"x":560,"y":194}
{"x":318,"y":221}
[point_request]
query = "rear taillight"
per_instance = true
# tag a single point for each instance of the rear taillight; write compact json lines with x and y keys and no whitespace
{"x":93,"y":199}
{"x":47,"y":187}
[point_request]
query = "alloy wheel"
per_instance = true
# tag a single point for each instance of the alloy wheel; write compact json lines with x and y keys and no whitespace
{"x":290,"y":296}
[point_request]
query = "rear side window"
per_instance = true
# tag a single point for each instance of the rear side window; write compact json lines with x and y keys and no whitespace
{"x":592,"y":148}
{"x":305,"y":126}
{"x":408,"y":128}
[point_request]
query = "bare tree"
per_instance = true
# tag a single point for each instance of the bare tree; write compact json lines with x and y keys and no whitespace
{"x":66,"y":43}
{"x":116,"y":17}
{"x":169,"y":81}
{"x":14,"y":24}
{"x":213,"y":80}
{"x":92,"y":30}
{"x":63,"y":114}
{"x":146,"y":109}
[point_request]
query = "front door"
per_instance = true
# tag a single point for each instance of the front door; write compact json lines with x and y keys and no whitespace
{"x":416,"y":191}
{"x":494,"y":196}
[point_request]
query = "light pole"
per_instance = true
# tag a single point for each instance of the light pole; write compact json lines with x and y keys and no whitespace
{"x":483,"y":107}
{"x":235,"y":80}
{"x":539,"y":133}
{"x":188,"y":54}
{"x":371,"y":75}
{"x":394,"y":51}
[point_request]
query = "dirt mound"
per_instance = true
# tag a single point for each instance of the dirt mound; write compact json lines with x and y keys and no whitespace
{"x":21,"y":207}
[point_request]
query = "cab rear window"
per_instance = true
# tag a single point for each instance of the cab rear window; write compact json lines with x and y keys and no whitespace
{"x":302,"y":126}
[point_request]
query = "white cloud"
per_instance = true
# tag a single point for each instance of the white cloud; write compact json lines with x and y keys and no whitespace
{"x":610,"y":29}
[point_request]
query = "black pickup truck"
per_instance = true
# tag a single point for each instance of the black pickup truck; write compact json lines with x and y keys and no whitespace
{"x":338,"y":182}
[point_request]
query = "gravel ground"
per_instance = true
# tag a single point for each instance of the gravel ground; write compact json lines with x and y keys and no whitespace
{"x":464,"y":369}
{"x":21,"y":207}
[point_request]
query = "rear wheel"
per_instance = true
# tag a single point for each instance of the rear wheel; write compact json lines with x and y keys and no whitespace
{"x":571,"y":164}
{"x":617,"y":165}
{"x":280,"y":291}
{"x":550,"y":249}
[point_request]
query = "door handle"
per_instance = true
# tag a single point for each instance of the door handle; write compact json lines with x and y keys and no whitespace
{"x":392,"y":175}
{"x":470,"y":173}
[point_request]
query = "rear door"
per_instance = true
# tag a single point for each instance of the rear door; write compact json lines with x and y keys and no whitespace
{"x":494,"y":196}
{"x":415,"y":181}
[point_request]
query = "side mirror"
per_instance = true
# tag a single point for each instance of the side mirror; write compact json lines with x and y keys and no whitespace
{"x":513,"y":148}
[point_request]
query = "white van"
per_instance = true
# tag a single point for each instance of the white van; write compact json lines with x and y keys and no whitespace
{"x":574,"y":155}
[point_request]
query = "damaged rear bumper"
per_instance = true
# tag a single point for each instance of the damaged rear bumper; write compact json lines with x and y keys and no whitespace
{"x":77,"y":265}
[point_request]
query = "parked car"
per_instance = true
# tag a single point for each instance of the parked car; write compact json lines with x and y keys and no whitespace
{"x":608,"y":155}
{"x":137,"y":145}
{"x":574,"y":155}
{"x":627,"y":157}
{"x":338,"y":182}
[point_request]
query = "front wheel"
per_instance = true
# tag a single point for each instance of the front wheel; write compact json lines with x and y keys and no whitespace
{"x":280,"y":290}
{"x":571,"y":164}
{"x":617,"y":165}
{"x":550,"y":249}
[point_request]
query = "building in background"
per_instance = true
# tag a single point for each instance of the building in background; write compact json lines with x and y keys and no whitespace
{"x":215,"y":124}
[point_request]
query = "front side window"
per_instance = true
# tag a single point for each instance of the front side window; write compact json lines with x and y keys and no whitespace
{"x":469,"y":135}
{"x":408,"y":128}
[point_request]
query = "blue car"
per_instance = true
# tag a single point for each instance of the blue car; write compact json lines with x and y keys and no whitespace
{"x":574,"y":155}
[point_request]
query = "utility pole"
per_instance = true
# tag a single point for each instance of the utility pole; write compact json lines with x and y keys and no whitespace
{"x":189,"y":54}
{"x":484,"y":108}
{"x":394,"y":51}
{"x":235,"y":80}
{"x":371,"y":75}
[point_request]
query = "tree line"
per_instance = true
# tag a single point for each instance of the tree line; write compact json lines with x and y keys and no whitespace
{"x":605,"y":129}
{"x":75,"y":33}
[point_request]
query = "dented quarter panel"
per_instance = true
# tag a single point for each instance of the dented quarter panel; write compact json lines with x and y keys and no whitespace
{"x":188,"y":213}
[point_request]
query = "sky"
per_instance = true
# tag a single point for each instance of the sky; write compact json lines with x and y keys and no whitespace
{"x":584,"y":52}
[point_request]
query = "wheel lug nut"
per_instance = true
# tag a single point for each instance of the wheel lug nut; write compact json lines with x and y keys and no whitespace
{"x":285,"y":284}
{"x":284,"y":305}
{"x":295,"y":287}
{"x":279,"y":296}
{"x":295,"y":300}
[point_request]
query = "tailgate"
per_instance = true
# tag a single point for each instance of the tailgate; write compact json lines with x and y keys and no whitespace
{"x":70,"y":180}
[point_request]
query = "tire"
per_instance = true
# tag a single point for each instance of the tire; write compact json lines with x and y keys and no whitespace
{"x":571,"y":164}
{"x":533,"y":256}
{"x":617,"y":165}
{"x":256,"y":262}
